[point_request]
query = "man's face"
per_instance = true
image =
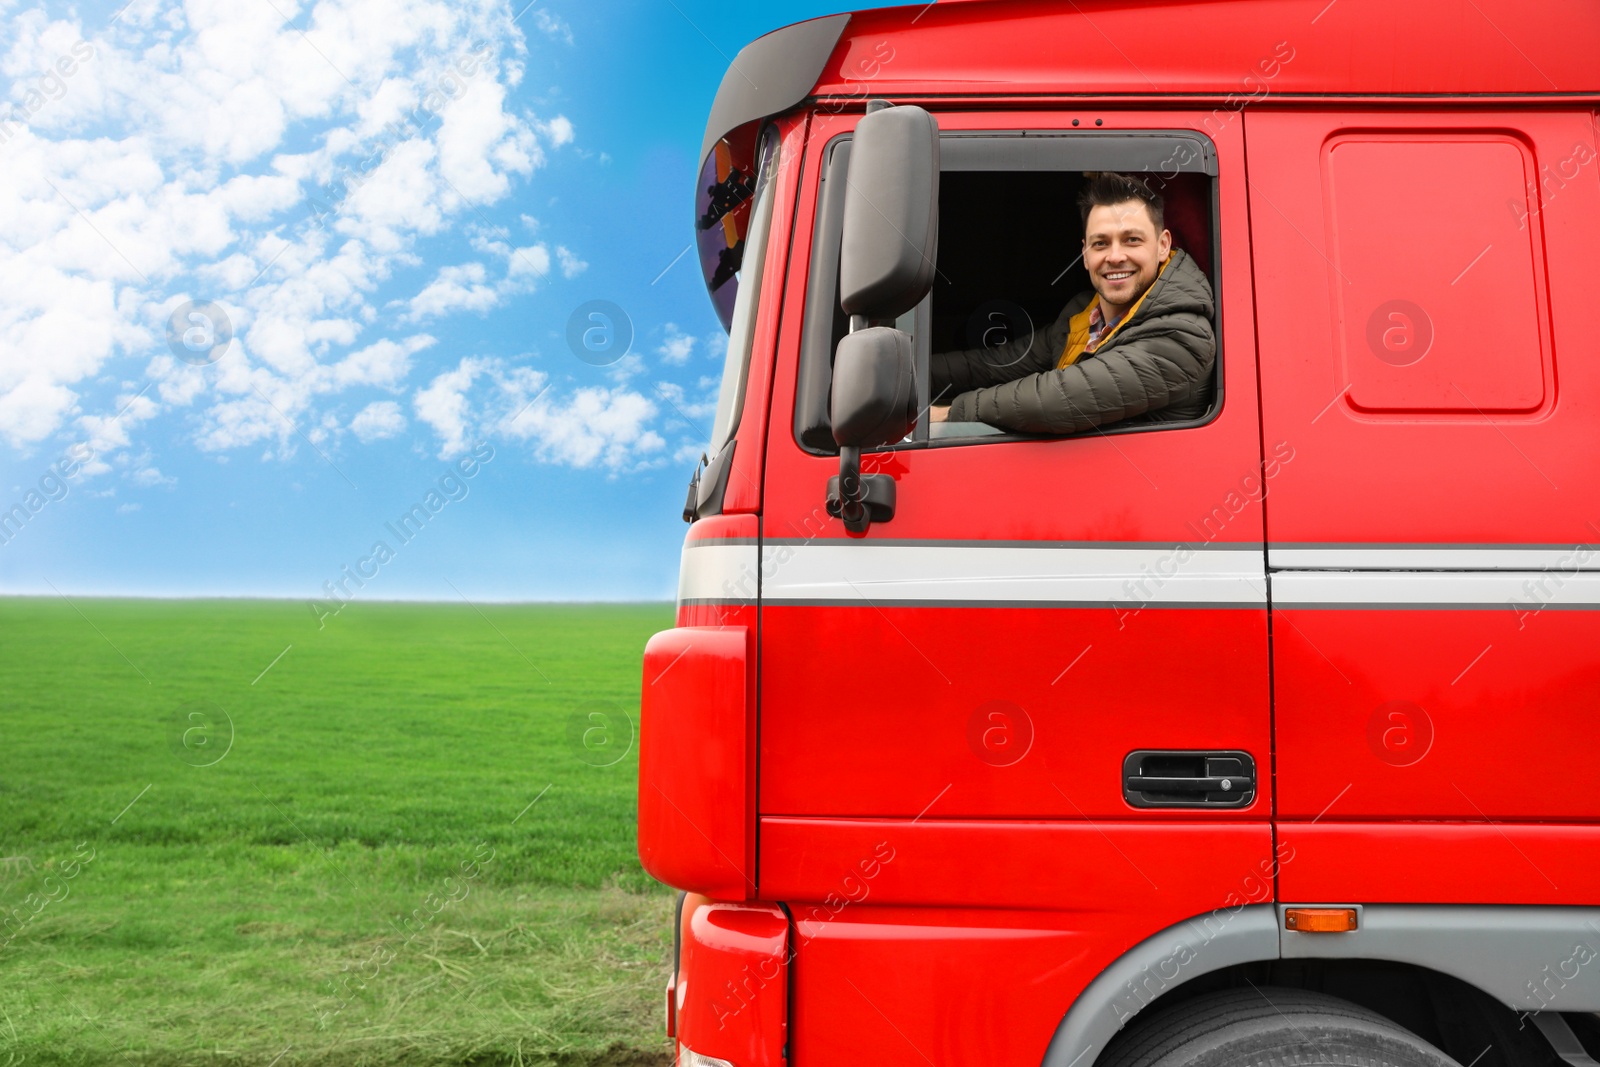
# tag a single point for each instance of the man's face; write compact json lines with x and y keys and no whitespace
{"x":1123,"y":252}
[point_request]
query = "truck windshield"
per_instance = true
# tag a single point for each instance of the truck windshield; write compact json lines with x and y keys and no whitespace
{"x":741,"y":330}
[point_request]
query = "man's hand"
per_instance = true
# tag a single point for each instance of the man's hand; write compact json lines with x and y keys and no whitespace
{"x":939,"y":413}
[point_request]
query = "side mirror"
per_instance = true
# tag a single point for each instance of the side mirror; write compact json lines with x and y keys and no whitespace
{"x":874,"y":388}
{"x":890,"y":240}
{"x":887,"y":253}
{"x":874,"y":403}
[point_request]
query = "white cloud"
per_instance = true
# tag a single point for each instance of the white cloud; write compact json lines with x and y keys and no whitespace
{"x":301,"y":174}
{"x":179,"y":383}
{"x":694,"y":414}
{"x":571,"y":265}
{"x":558,"y":131}
{"x":444,"y":406}
{"x":458,"y":288}
{"x":529,"y":262}
{"x":159,"y":171}
{"x":480,"y":144}
{"x":466,"y":286}
{"x":33,"y":408}
{"x":384,"y":362}
{"x":151,"y":476}
{"x":379,"y":420}
{"x":595,"y":426}
{"x":244,"y":421}
{"x":399,"y":198}
{"x":552,"y":26}
{"x":677,"y":347}
{"x":107,"y":434}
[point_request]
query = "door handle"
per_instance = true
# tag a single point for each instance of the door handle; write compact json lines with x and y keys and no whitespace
{"x":1147,"y":784}
{"x":1165,"y":778}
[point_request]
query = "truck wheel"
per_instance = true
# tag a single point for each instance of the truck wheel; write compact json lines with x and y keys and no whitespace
{"x":1270,"y":1026}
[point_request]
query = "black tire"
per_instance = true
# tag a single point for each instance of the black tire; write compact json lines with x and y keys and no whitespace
{"x":1269,"y":1026}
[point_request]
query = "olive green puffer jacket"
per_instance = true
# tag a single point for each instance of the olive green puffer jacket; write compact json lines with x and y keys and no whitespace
{"x":1158,"y":366}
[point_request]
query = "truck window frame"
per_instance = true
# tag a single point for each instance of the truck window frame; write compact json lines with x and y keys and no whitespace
{"x":1153,"y":151}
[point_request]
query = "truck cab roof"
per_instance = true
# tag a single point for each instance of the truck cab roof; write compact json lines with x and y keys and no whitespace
{"x":1030,"y":52}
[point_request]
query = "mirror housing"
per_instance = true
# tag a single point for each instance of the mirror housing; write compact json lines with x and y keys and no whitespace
{"x":874,"y":403}
{"x":874,"y":398}
{"x":890,"y":240}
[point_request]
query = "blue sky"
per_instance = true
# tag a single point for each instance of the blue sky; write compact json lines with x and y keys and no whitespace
{"x":395,"y":206}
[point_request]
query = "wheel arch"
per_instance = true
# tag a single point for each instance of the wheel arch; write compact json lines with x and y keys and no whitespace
{"x":1153,"y":968}
{"x":1531,"y":959}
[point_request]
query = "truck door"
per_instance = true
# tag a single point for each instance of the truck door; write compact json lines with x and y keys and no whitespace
{"x":952,"y":702}
{"x":1428,"y":349}
{"x":968,"y":680}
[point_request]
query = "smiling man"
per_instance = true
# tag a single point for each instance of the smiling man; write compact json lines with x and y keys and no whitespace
{"x":1139,"y":346}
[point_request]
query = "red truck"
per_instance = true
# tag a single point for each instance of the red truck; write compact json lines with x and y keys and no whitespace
{"x":1267,"y":736}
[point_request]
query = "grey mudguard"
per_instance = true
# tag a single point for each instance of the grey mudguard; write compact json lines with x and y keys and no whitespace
{"x":1532,"y":959}
{"x":1156,"y":965}
{"x":1529,"y":958}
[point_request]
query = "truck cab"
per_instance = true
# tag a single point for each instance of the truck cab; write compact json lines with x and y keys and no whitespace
{"x":976,"y":746}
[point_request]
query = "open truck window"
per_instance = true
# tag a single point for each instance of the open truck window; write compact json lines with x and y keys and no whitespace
{"x":1010,"y":257}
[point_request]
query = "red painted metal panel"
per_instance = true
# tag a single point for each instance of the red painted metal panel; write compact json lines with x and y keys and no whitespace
{"x":743,"y":493}
{"x":913,"y":986}
{"x":1066,"y":866}
{"x":1471,"y":342}
{"x":1250,"y":50}
{"x":733,"y":982}
{"x":717,"y":615}
{"x":1397,"y":477}
{"x":1437,"y":714}
{"x":696,"y":816}
{"x":904,"y":986}
{"x":1440,"y":863}
{"x":721,"y":529}
{"x":869,"y":709}
{"x":1391,"y":712}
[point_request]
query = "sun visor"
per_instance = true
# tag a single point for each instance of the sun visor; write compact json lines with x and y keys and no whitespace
{"x":769,"y":75}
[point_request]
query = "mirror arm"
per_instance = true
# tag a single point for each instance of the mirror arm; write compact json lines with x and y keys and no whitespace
{"x":691,"y":506}
{"x":859,"y":499}
{"x":849,"y":505}
{"x":851,"y":509}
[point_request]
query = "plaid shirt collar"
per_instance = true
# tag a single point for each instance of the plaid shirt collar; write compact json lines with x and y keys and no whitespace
{"x":1098,"y":325}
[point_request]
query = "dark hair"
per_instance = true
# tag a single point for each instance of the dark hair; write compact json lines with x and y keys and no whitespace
{"x":1105,"y":188}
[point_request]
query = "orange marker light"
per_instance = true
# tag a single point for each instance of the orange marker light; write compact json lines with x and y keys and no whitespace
{"x":1319,"y":920}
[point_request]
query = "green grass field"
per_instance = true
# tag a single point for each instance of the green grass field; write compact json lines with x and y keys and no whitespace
{"x":408,"y":841}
